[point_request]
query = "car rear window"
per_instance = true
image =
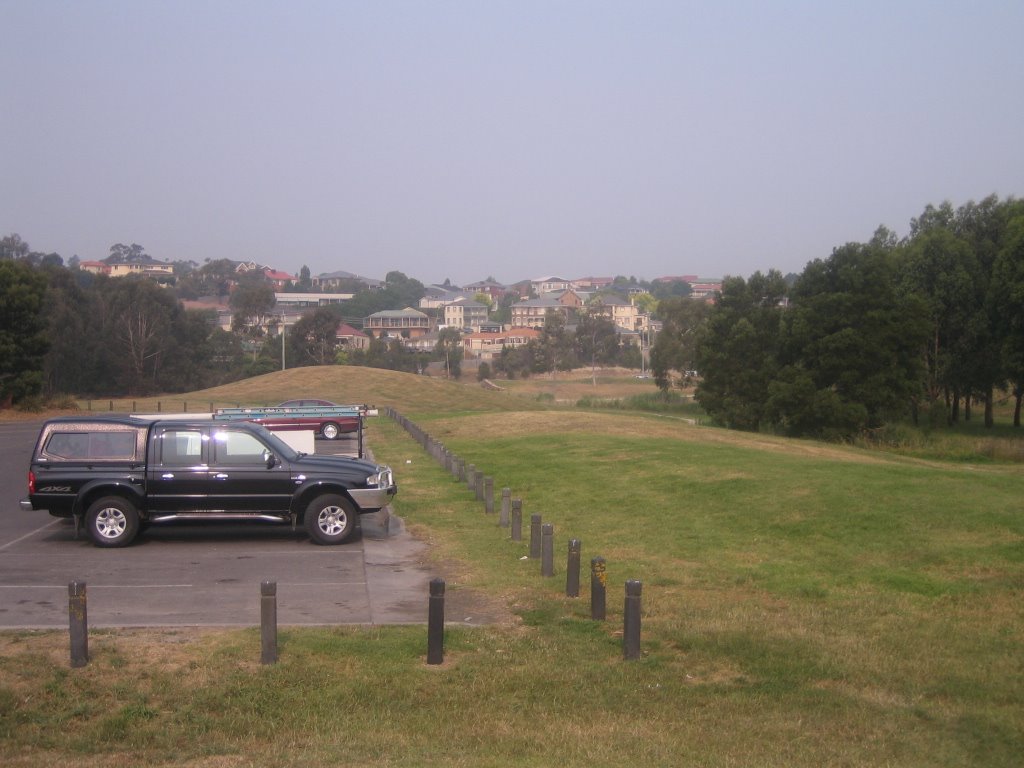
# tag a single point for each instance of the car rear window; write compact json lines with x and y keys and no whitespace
{"x":94,"y":446}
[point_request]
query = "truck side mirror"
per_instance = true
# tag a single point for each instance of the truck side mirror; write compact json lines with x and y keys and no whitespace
{"x":269,"y":458}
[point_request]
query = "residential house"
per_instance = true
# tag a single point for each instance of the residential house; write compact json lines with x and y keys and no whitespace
{"x":533,"y":312}
{"x":341,"y":279}
{"x":488,"y":345}
{"x":146,"y":266}
{"x":96,"y":267}
{"x":593,"y":283}
{"x":624,"y":314}
{"x":706,"y":289}
{"x":277,"y":278}
{"x":216,"y":305}
{"x":542,"y":285}
{"x":310,"y":300}
{"x":489,"y":287}
{"x":437,"y":296}
{"x":351,"y":338}
{"x":406,"y":323}
{"x":465,"y":313}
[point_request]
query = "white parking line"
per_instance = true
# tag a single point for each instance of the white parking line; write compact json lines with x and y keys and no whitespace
{"x":30,"y":534}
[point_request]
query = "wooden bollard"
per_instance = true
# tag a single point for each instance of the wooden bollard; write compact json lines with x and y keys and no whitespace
{"x":435,"y":623}
{"x":78,"y":623}
{"x":471,"y":477}
{"x":535,"y":534}
{"x":572,"y":569}
{"x":268,"y":622}
{"x":631,"y":621}
{"x":547,"y":550}
{"x":506,"y":507}
{"x":478,"y":486}
{"x":598,"y":588}
{"x":517,"y":520}
{"x":489,"y":495}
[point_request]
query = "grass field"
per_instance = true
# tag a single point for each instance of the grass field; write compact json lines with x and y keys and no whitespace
{"x":803,"y":605}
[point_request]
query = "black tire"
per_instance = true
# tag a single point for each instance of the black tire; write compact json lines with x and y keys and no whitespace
{"x":330,"y":431}
{"x":331,"y":519}
{"x":112,"y":521}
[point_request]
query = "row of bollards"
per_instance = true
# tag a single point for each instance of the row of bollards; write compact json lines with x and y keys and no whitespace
{"x":79,"y":626}
{"x":541,"y":542}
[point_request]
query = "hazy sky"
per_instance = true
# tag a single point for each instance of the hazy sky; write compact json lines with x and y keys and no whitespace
{"x":514,"y":139}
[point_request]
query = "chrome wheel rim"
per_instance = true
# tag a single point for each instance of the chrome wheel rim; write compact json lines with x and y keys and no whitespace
{"x":111,"y":523}
{"x":332,"y":520}
{"x":330,"y":431}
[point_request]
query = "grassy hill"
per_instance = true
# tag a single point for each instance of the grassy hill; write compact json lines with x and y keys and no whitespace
{"x":804,"y":604}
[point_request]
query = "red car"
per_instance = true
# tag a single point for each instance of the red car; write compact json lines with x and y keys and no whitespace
{"x":328,"y":425}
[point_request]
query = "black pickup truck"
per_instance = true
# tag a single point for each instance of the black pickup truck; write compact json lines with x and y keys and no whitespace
{"x":119,"y":474}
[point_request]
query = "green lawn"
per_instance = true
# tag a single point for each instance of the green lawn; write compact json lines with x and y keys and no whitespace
{"x":803,"y":605}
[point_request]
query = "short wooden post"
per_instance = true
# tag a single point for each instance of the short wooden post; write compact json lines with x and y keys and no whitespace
{"x":268,"y":622}
{"x":598,"y":588}
{"x":506,"y":507}
{"x":478,"y":486}
{"x":489,"y":495}
{"x":547,"y":550}
{"x":79,"y":624}
{"x":631,"y":621}
{"x":471,"y":477}
{"x":435,"y":623}
{"x":517,"y":520}
{"x":572,"y":569}
{"x":535,"y":534}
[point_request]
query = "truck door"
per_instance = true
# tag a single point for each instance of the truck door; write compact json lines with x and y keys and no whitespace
{"x":178,"y":470}
{"x":240,"y":478}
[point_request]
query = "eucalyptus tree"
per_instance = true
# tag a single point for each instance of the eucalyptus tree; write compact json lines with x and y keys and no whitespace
{"x":315,"y":337}
{"x":1008,"y":296}
{"x":850,"y":345}
{"x":675,"y":348}
{"x":737,"y":349}
{"x":23,"y":337}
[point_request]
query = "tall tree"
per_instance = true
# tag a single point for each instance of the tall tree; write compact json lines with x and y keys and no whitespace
{"x":251,"y":302}
{"x":850,"y":351}
{"x":675,"y":348}
{"x":141,"y":318}
{"x":449,"y":351}
{"x":23,"y":338}
{"x":738,"y":347}
{"x":315,"y":337}
{"x":1008,"y":297}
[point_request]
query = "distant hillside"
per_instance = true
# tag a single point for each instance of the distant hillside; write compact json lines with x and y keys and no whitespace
{"x":353,"y":384}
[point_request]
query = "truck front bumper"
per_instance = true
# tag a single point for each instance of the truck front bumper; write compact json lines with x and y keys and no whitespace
{"x":372,"y":499}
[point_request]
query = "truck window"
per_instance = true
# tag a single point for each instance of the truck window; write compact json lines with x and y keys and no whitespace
{"x":94,"y":446}
{"x":181,"y":448}
{"x":237,"y":448}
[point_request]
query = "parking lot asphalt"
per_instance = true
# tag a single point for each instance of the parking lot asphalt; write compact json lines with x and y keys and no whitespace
{"x":200,"y":574}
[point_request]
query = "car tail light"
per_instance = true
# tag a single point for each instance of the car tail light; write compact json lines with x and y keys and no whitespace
{"x":31,"y":482}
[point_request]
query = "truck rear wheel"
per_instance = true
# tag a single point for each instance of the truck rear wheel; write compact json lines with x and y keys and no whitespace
{"x":330,"y":519}
{"x":112,"y":521}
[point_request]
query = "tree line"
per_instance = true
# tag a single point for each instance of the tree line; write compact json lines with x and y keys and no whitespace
{"x":890,"y":329}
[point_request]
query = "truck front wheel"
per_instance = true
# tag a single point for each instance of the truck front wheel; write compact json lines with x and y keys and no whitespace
{"x":112,"y":522}
{"x":330,"y":519}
